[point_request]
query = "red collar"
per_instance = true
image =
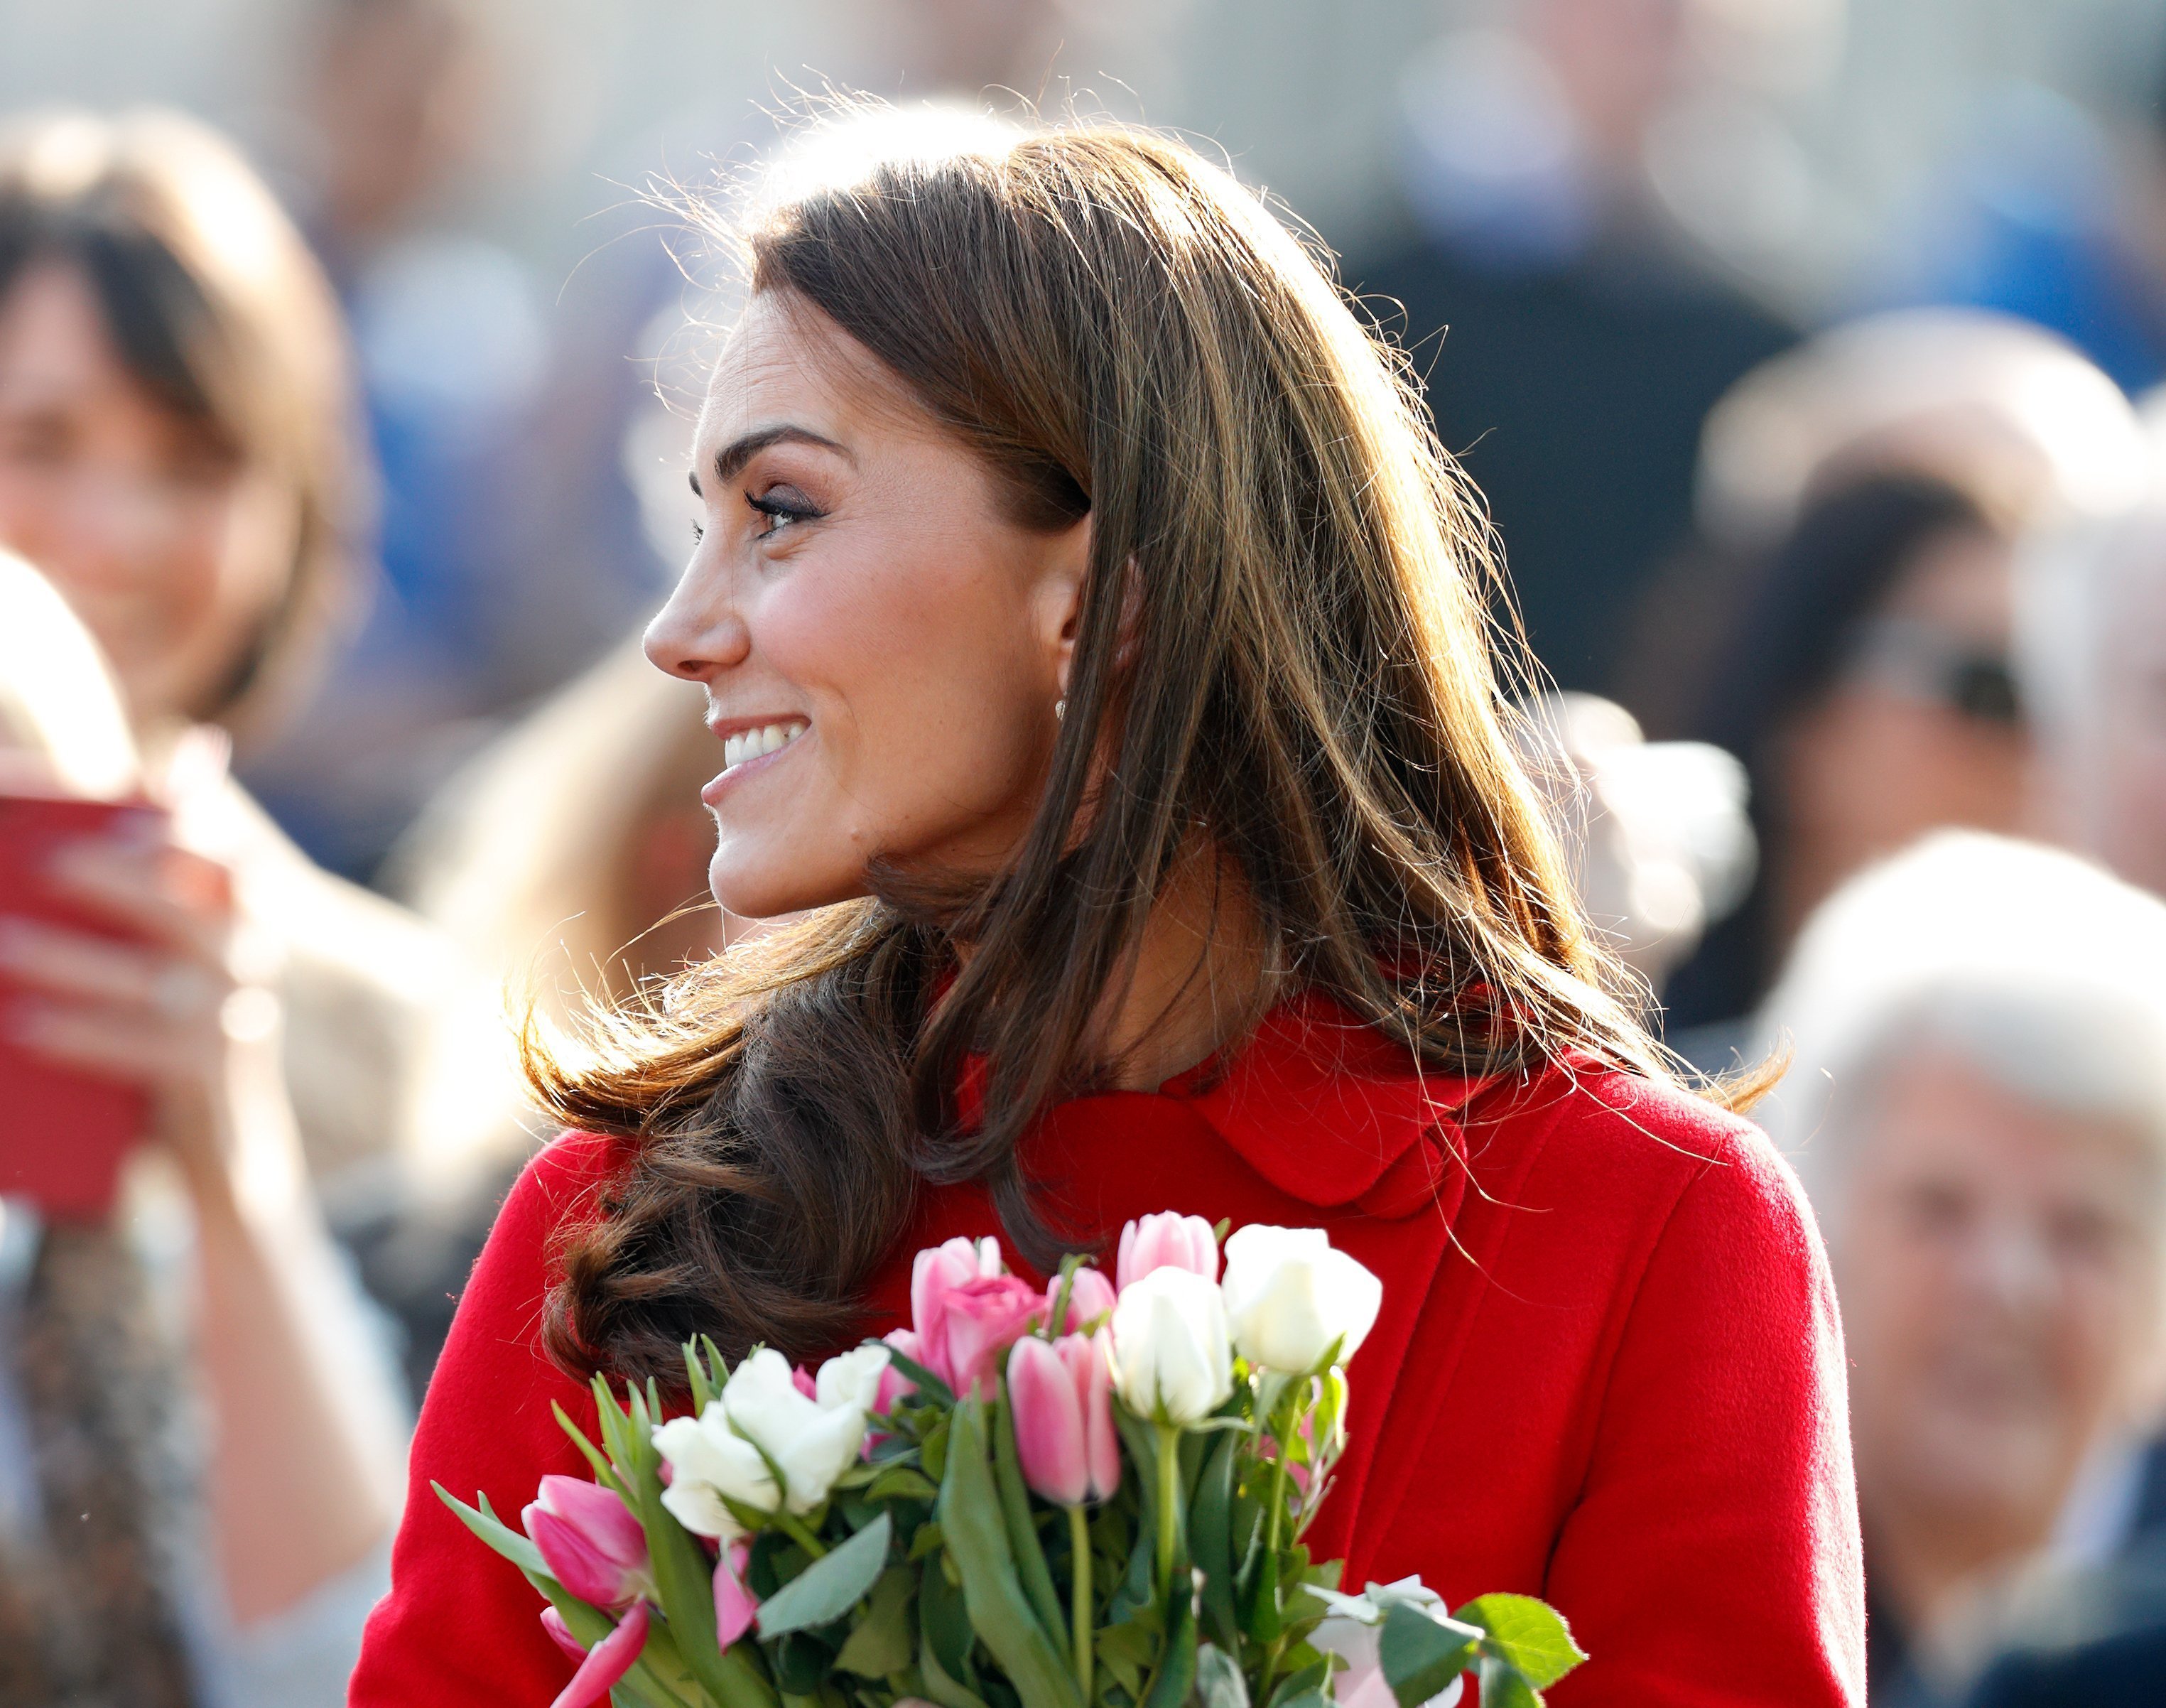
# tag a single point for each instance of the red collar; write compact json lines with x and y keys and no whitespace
{"x":1325,"y":1108}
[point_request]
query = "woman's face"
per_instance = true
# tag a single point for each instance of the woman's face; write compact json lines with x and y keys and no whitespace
{"x":171,"y":550}
{"x":880,"y":645}
{"x":1998,"y":1264}
{"x":1889,"y":752}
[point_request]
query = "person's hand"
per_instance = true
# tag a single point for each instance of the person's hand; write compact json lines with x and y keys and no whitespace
{"x":172,"y":1010}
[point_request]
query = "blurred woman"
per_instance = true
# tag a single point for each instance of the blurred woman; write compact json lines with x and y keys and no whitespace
{"x":110,"y":1508}
{"x":1868,"y":689}
{"x":177,"y":455}
{"x":1978,"y":1103}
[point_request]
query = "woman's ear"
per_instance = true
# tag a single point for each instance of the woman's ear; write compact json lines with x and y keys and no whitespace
{"x":1060,"y":597}
{"x":1067,"y":565}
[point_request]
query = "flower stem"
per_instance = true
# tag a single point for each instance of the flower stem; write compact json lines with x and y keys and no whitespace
{"x":1082,"y":1618}
{"x":1168,"y":1498}
{"x":794,"y":1528}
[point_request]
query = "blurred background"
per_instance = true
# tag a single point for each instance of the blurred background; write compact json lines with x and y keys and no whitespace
{"x":1804,"y":350}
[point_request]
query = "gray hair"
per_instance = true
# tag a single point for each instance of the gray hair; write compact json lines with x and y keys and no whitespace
{"x":2041,"y":969}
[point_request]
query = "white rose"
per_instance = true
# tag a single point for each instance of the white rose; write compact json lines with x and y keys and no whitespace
{"x":812,"y":1442}
{"x":854,"y":1378}
{"x":1351,"y":1631}
{"x":1172,"y":1360}
{"x":1289,"y":1296}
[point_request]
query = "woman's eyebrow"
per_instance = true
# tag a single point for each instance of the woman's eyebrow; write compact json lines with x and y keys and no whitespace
{"x":733,"y":456}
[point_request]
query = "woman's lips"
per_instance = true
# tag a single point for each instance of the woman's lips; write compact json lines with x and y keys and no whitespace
{"x":753,"y":748}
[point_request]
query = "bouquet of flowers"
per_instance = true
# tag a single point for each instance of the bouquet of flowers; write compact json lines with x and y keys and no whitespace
{"x":1087,"y":1496}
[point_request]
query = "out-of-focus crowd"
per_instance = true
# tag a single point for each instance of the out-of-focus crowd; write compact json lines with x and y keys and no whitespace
{"x":323,"y":543}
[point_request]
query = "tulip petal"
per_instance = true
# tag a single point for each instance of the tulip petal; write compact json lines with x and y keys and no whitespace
{"x":606,"y":1661}
{"x":735,"y":1605}
{"x":561,"y":1634}
{"x":1049,"y":1423}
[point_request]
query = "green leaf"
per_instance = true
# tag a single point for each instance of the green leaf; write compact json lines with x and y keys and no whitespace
{"x":1134,"y":1592}
{"x":515,"y":1547}
{"x":902,"y":1483}
{"x":976,"y":1535}
{"x":604,"y":1473}
{"x":1210,"y":1540}
{"x":1420,"y":1654}
{"x":943,"y":1621}
{"x":1300,"y":1684}
{"x":1125,"y":1652}
{"x":1022,"y":1534}
{"x":1259,"y":1599}
{"x":1176,"y":1667}
{"x":882,"y":1641}
{"x":1530,"y":1635}
{"x":1219,"y":1680}
{"x":1503,"y":1685}
{"x":831,"y":1586}
{"x":929,"y":1386}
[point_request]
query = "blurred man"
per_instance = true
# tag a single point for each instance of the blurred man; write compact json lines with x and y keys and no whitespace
{"x":1583,"y":338}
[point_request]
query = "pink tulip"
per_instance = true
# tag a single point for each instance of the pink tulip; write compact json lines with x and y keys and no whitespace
{"x":606,"y":1661}
{"x":1062,"y":1392}
{"x":938,"y":1272}
{"x":894,"y":1385}
{"x":1166,"y":1240}
{"x":593,"y":1544}
{"x":735,"y":1605}
{"x":802,"y":1379}
{"x":980,"y":1321}
{"x":561,"y":1634}
{"x":1090,"y":1297}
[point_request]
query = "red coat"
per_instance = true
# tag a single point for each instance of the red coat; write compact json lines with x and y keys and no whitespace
{"x":1608,"y":1371}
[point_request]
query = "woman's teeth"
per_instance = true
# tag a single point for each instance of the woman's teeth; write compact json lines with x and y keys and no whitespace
{"x":751,"y":744}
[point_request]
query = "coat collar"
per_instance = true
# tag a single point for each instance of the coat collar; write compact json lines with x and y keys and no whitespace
{"x":1330,"y":1111}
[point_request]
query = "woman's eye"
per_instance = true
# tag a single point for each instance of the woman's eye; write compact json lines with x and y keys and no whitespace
{"x":780,"y":511}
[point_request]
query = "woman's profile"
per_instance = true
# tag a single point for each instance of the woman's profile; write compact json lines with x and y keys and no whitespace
{"x":1095,"y":640}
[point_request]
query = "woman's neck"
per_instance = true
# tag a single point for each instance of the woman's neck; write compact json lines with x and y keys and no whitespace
{"x":1204,"y":972}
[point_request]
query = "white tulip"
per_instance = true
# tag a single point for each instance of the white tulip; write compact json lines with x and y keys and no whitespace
{"x":1173,"y":1362}
{"x":1289,"y":1296}
{"x":762,"y":1416}
{"x":708,"y":1460}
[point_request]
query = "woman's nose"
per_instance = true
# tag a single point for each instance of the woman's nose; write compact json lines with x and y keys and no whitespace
{"x":699,"y":633}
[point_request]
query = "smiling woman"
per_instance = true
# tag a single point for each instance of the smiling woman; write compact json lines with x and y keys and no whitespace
{"x":1095,"y":638}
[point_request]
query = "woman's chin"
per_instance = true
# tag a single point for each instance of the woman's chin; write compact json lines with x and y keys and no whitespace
{"x":769,"y":887}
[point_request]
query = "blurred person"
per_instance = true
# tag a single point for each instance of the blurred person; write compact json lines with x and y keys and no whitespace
{"x":1947,"y":422}
{"x":1976,"y":1102}
{"x":175,"y":456}
{"x":1657,"y":833}
{"x":509,"y":549}
{"x":1866,"y":689}
{"x":1580,"y":337}
{"x":2091,"y":647}
{"x":143,"y":1558}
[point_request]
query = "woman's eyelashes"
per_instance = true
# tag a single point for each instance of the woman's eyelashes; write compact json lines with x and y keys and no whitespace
{"x":781,"y":508}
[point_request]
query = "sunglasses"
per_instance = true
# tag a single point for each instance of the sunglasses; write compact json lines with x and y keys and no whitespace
{"x":1922,"y":663}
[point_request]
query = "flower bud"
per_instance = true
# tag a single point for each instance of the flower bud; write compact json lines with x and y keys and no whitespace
{"x":1290,"y":1296}
{"x":1172,"y":1360}
{"x":593,"y":1544}
{"x":1165,"y":1240}
{"x":1062,"y":1395}
{"x":1090,"y":1298}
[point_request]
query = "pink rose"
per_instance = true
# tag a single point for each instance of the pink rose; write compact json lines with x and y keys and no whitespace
{"x":981,"y":1319}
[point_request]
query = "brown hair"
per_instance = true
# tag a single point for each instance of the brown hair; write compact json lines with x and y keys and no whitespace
{"x":1304,"y":676}
{"x":218,"y":310}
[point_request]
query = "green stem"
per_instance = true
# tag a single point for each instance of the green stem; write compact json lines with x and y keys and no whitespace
{"x":1082,"y":1621}
{"x":794,"y":1528}
{"x":1169,"y":1502}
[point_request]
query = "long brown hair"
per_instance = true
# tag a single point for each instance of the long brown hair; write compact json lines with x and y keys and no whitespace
{"x":1285,"y":654}
{"x":218,"y":310}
